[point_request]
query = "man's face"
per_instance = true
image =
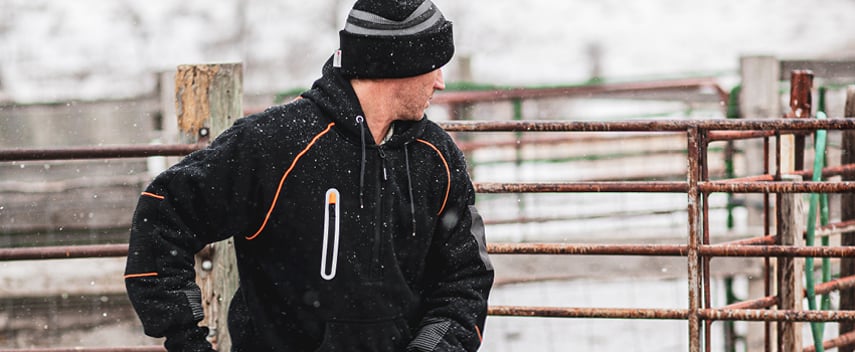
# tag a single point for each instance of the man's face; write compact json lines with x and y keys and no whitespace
{"x":415,"y":92}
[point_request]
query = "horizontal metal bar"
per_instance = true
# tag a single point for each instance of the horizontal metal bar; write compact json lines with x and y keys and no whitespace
{"x":840,"y":284}
{"x":582,"y":187}
{"x":764,"y":240}
{"x":777,"y":187}
{"x":835,"y":228}
{"x":759,"y":303}
{"x":839,"y":341}
{"x":776,"y":315}
{"x":587,"y":249}
{"x":822,"y":231}
{"x":667,"y":187}
{"x":126,"y":151}
{"x":737,"y":135}
{"x":783,"y":125}
{"x":64,"y":252}
{"x":840,"y":170}
{"x":672,"y":314}
{"x":776,"y":251}
{"x":607,"y":313}
{"x":668,"y":250}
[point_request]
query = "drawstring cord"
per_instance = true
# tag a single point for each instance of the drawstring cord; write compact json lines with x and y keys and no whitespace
{"x":360,"y":121}
{"x":410,"y":187}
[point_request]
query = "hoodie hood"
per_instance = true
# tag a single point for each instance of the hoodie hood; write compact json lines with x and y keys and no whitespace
{"x":337,"y":100}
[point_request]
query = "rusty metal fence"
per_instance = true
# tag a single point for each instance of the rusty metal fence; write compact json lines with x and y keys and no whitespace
{"x":698,"y":250}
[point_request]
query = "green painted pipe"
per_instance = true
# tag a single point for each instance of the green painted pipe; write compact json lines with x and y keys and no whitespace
{"x":817,"y":328}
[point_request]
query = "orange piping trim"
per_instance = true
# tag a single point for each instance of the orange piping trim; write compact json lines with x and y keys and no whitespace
{"x":153,"y":195}
{"x":134,"y":276}
{"x":284,"y":176}
{"x":478,"y":331}
{"x":447,"y":172}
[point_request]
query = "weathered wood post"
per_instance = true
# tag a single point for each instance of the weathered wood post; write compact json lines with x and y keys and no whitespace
{"x":791,"y":228}
{"x":208,"y":98}
{"x":791,"y":214}
{"x":847,"y":212}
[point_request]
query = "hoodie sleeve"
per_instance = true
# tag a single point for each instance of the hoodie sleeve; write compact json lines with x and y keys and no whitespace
{"x":203,"y":199}
{"x":460,"y":274}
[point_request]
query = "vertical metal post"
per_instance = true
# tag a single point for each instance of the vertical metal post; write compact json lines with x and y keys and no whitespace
{"x":703,"y":144}
{"x":847,"y":212}
{"x":767,"y":228}
{"x":694,"y":239}
{"x":210,"y":97}
{"x":767,"y":261}
{"x":801,"y":103}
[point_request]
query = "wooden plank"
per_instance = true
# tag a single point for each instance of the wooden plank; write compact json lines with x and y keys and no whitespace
{"x":847,"y":212}
{"x":791,"y":226}
{"x":210,"y":96}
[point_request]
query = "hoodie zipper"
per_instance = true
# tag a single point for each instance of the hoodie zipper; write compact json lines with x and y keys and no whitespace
{"x":380,"y":221}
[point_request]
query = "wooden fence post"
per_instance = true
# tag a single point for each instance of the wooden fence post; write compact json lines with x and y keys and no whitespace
{"x":209,"y":98}
{"x":791,"y":214}
{"x":791,"y":228}
{"x":847,"y":212}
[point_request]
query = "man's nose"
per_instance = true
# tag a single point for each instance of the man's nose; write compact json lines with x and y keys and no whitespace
{"x":439,"y":83}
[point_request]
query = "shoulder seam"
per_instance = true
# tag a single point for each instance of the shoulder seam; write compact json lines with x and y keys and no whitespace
{"x":447,"y":173}
{"x":285,"y":176}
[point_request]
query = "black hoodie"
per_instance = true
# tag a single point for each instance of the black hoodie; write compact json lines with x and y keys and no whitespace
{"x":342,"y":245}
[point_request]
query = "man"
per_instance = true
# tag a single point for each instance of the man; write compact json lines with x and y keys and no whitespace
{"x":352,"y":214}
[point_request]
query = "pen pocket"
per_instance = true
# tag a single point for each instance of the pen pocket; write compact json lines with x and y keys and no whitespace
{"x":332,"y":221}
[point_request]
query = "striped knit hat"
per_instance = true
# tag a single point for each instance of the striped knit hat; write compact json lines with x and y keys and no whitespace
{"x":393,"y":39}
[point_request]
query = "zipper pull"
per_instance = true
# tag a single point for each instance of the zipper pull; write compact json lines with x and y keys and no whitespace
{"x":383,"y":163}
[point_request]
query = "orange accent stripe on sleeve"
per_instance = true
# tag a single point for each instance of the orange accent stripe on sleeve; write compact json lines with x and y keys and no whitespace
{"x":447,"y":172}
{"x":133,"y":276}
{"x":478,"y":331}
{"x":147,"y":194}
{"x":284,"y":176}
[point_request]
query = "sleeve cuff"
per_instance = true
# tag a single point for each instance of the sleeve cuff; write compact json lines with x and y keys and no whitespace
{"x":429,"y":336}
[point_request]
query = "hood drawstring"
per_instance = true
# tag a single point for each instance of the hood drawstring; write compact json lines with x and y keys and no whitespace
{"x":361,"y":122}
{"x":410,"y":187}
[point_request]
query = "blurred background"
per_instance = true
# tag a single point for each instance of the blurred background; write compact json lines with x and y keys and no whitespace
{"x":100,"y":73}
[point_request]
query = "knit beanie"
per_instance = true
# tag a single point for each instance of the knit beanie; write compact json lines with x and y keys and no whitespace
{"x":393,"y":39}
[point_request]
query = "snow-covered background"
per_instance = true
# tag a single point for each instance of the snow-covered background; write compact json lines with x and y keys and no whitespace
{"x":92,"y":49}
